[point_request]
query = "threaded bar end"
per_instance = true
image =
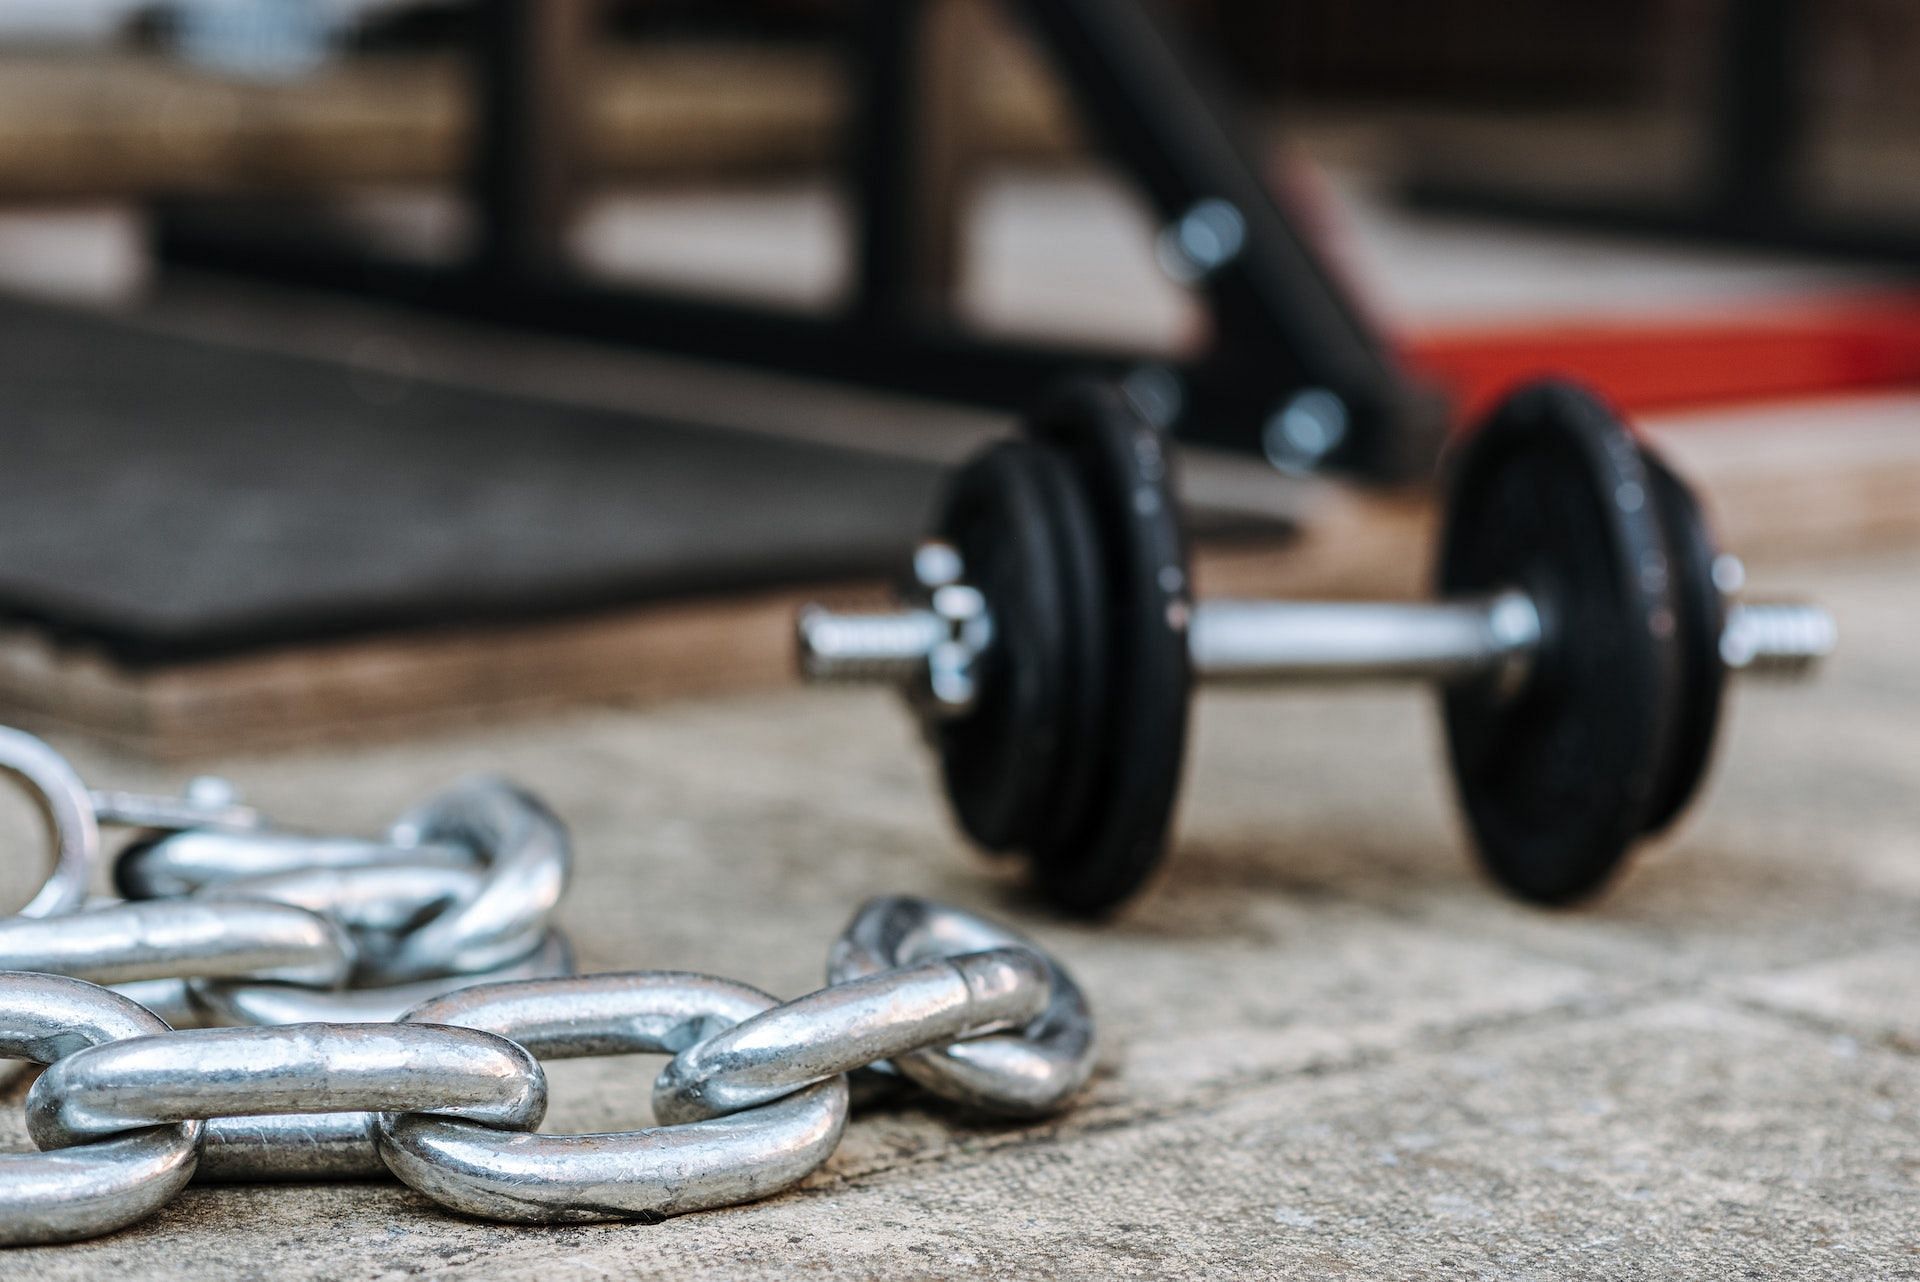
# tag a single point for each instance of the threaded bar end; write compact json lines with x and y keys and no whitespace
{"x":878,"y":648}
{"x":1777,"y":639}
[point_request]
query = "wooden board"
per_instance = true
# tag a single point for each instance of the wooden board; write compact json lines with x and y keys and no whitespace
{"x":117,"y":125}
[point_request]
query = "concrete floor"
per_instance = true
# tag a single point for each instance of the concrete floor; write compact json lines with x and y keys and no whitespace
{"x":1331,"y":1048}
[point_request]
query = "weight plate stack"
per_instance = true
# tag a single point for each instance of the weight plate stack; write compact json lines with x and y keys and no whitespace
{"x":1084,"y":682}
{"x":1557,"y":779}
{"x":1701,"y":612}
{"x":1094,"y":859}
{"x":1000,"y":755}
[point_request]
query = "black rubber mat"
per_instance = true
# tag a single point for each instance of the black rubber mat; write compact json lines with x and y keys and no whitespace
{"x":168,"y":500}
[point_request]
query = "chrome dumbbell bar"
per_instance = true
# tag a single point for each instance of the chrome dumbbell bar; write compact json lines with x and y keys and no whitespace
{"x":1288,"y":641}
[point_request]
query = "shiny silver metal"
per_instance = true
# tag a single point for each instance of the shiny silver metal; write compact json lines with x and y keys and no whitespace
{"x":933,"y":647}
{"x":645,"y":1175}
{"x":880,"y":646}
{"x":448,"y":1098}
{"x":376,"y":904}
{"x":1777,"y":639}
{"x":1270,"y":641}
{"x":63,"y":801}
{"x":206,"y":802}
{"x":1035,"y":1071}
{"x":177,"y":938}
{"x":230,"y":1002}
{"x":296,"y":1068}
{"x":303,"y":1147}
{"x":1275,"y":641}
{"x":850,"y":1025}
{"x":1207,"y":236}
{"x":528,"y":860}
{"x":186,"y":862}
{"x":170,"y":999}
{"x":465,"y":884}
{"x":327,"y":1146}
{"x":99,"y":1187}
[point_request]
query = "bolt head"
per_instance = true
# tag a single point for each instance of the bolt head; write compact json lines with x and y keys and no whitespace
{"x":1206,"y":238}
{"x":1157,"y":393}
{"x":950,"y":676}
{"x":1729,"y":574}
{"x":937,"y":564}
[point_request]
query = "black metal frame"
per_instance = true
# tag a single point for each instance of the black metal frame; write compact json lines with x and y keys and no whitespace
{"x":1281,"y":323}
{"x":1749,"y":191}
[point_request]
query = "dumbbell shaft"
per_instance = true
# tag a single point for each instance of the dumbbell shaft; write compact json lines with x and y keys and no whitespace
{"x":1271,"y":641}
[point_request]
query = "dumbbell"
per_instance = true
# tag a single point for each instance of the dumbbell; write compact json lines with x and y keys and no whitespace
{"x":1581,"y":640}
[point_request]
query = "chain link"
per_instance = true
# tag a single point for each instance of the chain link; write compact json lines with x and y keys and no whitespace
{"x":848,"y":1026}
{"x":369,"y":1044}
{"x":647,"y":1174}
{"x":63,"y":801}
{"x":186,"y":861}
{"x":100,"y":1187}
{"x":181,"y":938}
{"x":225,"y":1002}
{"x":1027,"y":1074}
{"x":199,"y":1073}
{"x":464,"y":884}
{"x":229,"y":919}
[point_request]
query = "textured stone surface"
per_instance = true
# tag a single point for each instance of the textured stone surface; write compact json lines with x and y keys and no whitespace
{"x":1332,"y":1049}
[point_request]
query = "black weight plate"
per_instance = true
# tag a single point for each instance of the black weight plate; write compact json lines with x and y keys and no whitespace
{"x":1084,"y":683}
{"x":1121,"y":467}
{"x":1551,"y":497}
{"x":999,"y":757}
{"x":1702,"y":615}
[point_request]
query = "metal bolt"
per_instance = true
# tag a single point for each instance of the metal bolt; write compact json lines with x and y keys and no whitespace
{"x":936,"y":564}
{"x":1201,"y":241}
{"x":933,"y":649}
{"x":1157,"y":393}
{"x":1302,"y":432}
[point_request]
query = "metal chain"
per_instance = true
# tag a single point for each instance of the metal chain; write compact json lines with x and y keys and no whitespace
{"x":402,"y":992}
{"x":446,"y":1099}
{"x":230,"y":920}
{"x":63,"y":800}
{"x":1029,"y":1074}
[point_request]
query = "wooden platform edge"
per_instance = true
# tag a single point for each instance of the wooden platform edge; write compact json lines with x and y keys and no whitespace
{"x":385,"y":687}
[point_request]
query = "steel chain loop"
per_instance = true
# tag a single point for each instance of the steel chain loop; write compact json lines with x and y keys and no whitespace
{"x":232,"y":920}
{"x":429,"y":1070}
{"x":181,"y":938}
{"x":648,"y":1174}
{"x":253,"y":1003}
{"x":464,"y":884}
{"x":1025,"y":1074}
{"x":63,"y":800}
{"x":848,"y":1026}
{"x":186,"y":861}
{"x":99,"y":1187}
{"x":201,"y":1073}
